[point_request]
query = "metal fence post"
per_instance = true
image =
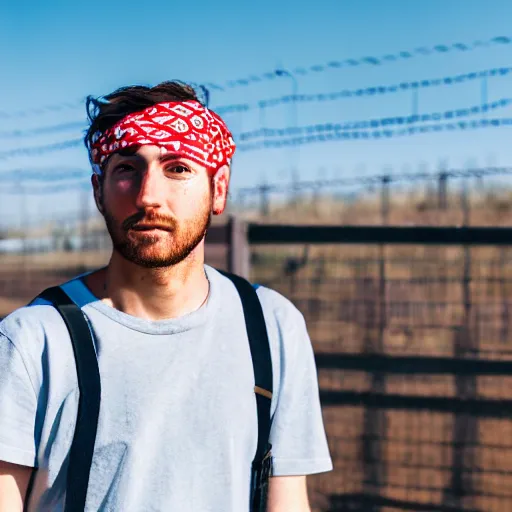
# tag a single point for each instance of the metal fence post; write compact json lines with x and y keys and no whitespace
{"x":238,"y":250}
{"x":442,"y":191}
{"x":465,"y":426}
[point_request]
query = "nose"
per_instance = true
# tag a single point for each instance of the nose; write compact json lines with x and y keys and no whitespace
{"x":150,"y":193}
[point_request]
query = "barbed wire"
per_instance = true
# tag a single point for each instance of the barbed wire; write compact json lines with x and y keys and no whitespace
{"x":49,"y":174}
{"x":346,"y":93}
{"x":43,"y":130}
{"x":333,"y":135}
{"x":24,"y":189}
{"x":374,"y":123}
{"x":378,"y":179}
{"x":374,"y":90}
{"x":293,"y":130}
{"x":45,"y":109}
{"x":39,"y":150}
{"x":363,"y":61}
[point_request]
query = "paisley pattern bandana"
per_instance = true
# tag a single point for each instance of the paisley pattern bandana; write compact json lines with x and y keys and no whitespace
{"x":183,"y":127}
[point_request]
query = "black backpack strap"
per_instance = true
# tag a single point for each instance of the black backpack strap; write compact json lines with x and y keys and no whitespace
{"x":262,"y":365}
{"x":82,"y":446}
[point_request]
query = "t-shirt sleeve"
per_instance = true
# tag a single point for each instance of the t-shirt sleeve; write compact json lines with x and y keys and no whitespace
{"x":298,"y":438}
{"x":18,"y":407}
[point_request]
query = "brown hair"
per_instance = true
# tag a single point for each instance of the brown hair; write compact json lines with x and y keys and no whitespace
{"x":105,"y":112}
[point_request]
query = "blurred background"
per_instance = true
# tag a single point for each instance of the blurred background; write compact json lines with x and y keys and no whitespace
{"x":371,"y":185}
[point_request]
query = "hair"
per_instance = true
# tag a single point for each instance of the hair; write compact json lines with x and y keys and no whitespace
{"x":106,"y":111}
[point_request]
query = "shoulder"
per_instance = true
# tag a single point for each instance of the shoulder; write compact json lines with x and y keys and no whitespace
{"x":28,"y":330}
{"x":30,"y":319}
{"x":39,"y":317}
{"x":279,"y":309}
{"x":285,"y":324}
{"x":27,"y":327}
{"x":286,"y":328}
{"x":32,"y":328}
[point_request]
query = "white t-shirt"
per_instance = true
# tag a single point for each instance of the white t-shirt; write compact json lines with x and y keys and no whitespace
{"x":178,"y":427}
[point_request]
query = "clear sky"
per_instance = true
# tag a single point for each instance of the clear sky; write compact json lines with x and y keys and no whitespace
{"x":57,"y":52}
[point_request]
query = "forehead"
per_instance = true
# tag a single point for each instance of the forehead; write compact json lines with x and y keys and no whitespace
{"x":146,"y":152}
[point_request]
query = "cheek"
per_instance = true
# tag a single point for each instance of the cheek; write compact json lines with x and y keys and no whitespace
{"x":190,"y":202}
{"x":117,"y":201}
{"x":122,"y":189}
{"x":194,"y":192}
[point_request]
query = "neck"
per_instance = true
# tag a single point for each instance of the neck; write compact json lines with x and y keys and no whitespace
{"x":152,"y":294}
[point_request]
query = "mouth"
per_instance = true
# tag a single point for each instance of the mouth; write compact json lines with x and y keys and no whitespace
{"x":150,"y":227}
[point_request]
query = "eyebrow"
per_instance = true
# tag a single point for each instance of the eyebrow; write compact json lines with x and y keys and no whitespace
{"x":171,"y":156}
{"x":132,"y":153}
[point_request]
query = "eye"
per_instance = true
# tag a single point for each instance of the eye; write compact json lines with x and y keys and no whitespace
{"x":178,"y":169}
{"x":123,"y":168}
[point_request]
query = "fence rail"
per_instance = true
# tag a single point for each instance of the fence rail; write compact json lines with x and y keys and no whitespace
{"x":424,"y":235}
{"x":412,"y":365}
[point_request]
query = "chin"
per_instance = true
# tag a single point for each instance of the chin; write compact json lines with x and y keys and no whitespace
{"x":154,"y":256}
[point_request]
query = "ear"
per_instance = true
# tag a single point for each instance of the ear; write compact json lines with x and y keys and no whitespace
{"x":98,"y":194}
{"x":220,"y":188}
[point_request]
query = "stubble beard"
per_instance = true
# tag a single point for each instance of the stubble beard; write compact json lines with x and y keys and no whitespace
{"x":167,"y":248}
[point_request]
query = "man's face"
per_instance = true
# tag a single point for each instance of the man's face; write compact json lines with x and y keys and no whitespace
{"x":157,"y":207}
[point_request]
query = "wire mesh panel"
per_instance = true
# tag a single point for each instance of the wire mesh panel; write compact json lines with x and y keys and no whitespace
{"x":417,"y":416}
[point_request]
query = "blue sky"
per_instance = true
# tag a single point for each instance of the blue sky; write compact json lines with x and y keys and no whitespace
{"x":57,"y":52}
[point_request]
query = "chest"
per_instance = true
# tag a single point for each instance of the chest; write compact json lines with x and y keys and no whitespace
{"x":174,"y":408}
{"x":190,"y":388}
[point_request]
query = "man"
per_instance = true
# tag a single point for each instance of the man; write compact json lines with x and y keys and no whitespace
{"x":178,"y":427}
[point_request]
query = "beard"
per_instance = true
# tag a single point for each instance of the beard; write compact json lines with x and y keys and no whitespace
{"x":167,"y":247}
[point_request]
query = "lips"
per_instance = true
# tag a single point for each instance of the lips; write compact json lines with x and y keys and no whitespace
{"x":149,"y":227}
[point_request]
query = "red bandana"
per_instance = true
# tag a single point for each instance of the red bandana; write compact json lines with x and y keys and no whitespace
{"x":183,"y":127}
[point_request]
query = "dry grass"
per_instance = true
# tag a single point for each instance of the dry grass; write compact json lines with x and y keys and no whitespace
{"x":52,"y":261}
{"x":484,"y":208}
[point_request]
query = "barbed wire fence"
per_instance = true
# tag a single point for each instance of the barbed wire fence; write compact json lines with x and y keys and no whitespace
{"x":443,"y":190}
